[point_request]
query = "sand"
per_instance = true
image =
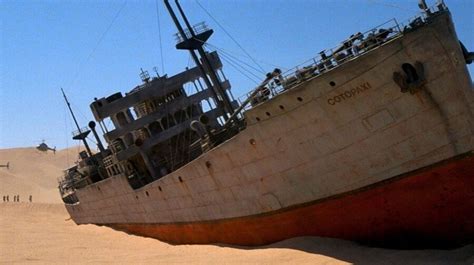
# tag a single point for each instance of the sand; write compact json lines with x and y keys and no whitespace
{"x":42,"y":233}
{"x":33,"y":172}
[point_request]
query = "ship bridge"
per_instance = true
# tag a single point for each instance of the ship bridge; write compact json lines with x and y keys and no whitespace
{"x":152,"y":134}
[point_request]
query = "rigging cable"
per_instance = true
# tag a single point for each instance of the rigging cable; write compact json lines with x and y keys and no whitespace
{"x":181,"y":138}
{"x":236,"y":55}
{"x":159,"y":35}
{"x":67,"y":136}
{"x":241,"y":69}
{"x":76,"y":75}
{"x":83,"y":116}
{"x":230,"y":36}
{"x":189,"y":60}
{"x":232,"y":56}
{"x":390,"y":5}
{"x":232,"y":59}
{"x":92,"y":140}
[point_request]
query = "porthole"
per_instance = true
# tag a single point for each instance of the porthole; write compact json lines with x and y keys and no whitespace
{"x":268,"y":114}
{"x":159,"y":187}
{"x":180,"y":179}
{"x":299,"y":98}
{"x":282,"y":107}
{"x":257,"y":118}
{"x":411,"y":73}
{"x":147,"y":194}
{"x":332,"y":83}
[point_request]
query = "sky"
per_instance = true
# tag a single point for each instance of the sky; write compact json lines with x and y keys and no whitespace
{"x":96,"y":48}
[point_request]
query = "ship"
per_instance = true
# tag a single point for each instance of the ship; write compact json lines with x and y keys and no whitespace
{"x":370,"y":141}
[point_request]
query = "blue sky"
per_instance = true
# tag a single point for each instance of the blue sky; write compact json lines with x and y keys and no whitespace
{"x":50,"y":44}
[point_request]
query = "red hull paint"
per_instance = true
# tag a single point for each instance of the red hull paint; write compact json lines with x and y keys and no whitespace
{"x":435,"y":204}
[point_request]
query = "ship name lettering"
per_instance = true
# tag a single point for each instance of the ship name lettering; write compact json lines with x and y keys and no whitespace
{"x":349,"y":93}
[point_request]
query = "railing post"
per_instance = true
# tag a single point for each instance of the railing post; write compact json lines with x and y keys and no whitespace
{"x":398,"y":26}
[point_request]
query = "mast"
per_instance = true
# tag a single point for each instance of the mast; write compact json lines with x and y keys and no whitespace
{"x":82,"y":134}
{"x":219,"y":93}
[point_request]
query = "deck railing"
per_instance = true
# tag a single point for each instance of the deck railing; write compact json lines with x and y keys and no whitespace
{"x":355,"y":46}
{"x":197,"y":28}
{"x":80,"y":131}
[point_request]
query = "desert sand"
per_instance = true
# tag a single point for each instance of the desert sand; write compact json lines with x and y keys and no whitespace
{"x":33,"y":172}
{"x":42,"y":233}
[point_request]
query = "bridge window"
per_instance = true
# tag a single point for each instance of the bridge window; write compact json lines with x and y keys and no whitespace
{"x":180,"y":116}
{"x":128,"y":139}
{"x":133,"y":114}
{"x":121,"y":119}
{"x":155,"y":128}
{"x":107,"y":122}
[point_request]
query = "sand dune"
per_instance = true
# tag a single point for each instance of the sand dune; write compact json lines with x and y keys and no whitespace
{"x":42,"y":233}
{"x":34,"y":173}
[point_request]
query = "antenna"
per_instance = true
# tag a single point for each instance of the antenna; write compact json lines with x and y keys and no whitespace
{"x":145,"y":76}
{"x":156,"y":71}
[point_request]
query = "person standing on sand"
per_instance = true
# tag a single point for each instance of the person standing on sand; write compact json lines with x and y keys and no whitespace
{"x":31,"y":198}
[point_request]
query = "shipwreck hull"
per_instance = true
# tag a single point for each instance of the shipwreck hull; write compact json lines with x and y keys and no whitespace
{"x":431,"y":206}
{"x":345,"y":154}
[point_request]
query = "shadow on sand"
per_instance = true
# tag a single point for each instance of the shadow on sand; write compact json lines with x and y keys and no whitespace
{"x":355,"y":253}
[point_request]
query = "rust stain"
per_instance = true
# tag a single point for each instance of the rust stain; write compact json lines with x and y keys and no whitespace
{"x":420,"y":98}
